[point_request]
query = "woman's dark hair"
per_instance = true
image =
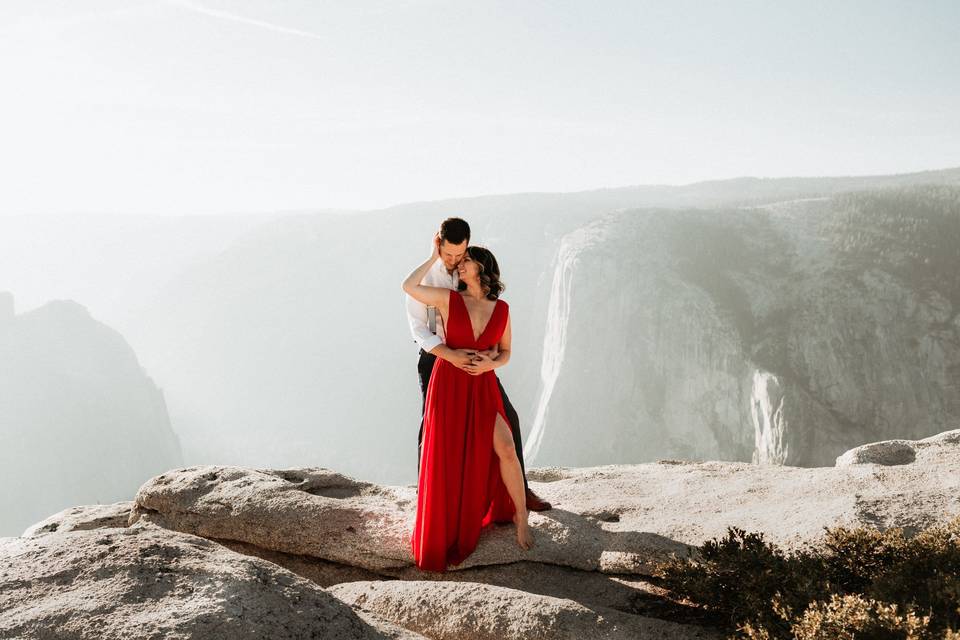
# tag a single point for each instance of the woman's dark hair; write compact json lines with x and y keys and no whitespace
{"x":489,"y":272}
{"x":454,"y":231}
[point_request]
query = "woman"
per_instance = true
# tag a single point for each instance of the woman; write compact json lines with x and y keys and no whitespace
{"x":470,"y":475}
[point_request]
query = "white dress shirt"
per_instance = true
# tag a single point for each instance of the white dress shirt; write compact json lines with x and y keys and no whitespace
{"x":437,"y":276}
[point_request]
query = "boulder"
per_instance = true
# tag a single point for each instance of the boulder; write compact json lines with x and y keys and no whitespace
{"x":148,"y":582}
{"x":897,"y":452}
{"x":83,"y":517}
{"x":587,"y":576}
{"x":471,"y":611}
{"x":615,"y":519}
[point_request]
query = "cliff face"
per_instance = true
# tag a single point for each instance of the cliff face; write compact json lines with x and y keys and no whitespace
{"x":782,"y":334}
{"x":79,"y":419}
{"x":300,"y":325}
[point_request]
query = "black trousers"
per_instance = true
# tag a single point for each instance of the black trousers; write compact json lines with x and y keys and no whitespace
{"x":424,"y":369}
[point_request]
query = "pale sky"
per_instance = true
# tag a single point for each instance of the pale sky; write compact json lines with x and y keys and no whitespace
{"x":207,"y":106}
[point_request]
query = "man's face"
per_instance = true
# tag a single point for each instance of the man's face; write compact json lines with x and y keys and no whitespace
{"x":452,"y":254}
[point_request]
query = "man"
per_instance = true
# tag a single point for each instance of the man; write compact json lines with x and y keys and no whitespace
{"x":427,"y":328}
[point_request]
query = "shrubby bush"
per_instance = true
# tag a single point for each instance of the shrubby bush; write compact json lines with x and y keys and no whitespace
{"x":856,"y":583}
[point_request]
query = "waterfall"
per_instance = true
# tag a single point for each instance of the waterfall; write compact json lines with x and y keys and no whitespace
{"x":555,"y":337}
{"x":769,"y":422}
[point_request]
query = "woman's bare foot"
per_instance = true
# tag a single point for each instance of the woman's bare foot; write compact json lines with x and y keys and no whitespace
{"x":524,"y":535}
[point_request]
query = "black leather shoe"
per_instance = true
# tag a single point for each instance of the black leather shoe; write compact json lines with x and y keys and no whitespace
{"x":536,"y":503}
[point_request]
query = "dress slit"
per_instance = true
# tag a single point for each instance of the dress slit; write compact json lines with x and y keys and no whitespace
{"x":460,"y":489}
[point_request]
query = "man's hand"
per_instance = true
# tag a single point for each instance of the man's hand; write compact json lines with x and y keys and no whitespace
{"x":459,"y":358}
{"x":481,"y":364}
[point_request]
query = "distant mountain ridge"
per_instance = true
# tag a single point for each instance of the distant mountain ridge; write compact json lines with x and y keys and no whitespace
{"x":79,"y":418}
{"x":741,"y":191}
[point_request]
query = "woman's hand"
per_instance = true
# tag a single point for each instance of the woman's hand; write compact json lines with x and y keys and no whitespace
{"x":481,"y":364}
{"x":460,"y":358}
{"x":431,"y":296}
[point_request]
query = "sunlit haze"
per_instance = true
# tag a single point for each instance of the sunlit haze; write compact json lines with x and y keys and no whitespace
{"x":208,"y":106}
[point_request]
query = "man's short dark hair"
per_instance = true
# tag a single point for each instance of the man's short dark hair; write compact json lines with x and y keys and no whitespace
{"x":454,"y":231}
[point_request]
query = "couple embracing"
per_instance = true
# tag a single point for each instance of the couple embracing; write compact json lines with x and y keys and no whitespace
{"x":470,"y":458}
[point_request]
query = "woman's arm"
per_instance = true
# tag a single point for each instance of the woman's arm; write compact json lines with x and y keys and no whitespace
{"x":432,"y":296}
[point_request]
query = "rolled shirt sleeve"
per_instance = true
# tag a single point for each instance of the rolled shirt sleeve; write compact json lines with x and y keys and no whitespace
{"x":417,"y":319}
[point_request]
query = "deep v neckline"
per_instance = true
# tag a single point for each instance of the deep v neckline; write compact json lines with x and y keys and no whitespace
{"x":476,"y":338}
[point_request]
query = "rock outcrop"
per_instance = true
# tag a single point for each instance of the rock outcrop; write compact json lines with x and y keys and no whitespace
{"x":897,"y":452}
{"x":616,"y":519}
{"x":83,"y":518}
{"x":148,"y":582}
{"x":499,"y":613}
{"x":590,"y":573}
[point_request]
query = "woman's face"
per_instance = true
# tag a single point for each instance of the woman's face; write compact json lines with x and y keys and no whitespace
{"x":468,"y":268}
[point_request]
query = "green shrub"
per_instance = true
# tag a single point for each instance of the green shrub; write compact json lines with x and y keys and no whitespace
{"x":855,"y":558}
{"x":858,"y":583}
{"x":853,"y":617}
{"x":922,"y":571}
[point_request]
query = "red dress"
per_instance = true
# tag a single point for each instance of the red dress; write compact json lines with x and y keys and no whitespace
{"x":460,"y":490}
